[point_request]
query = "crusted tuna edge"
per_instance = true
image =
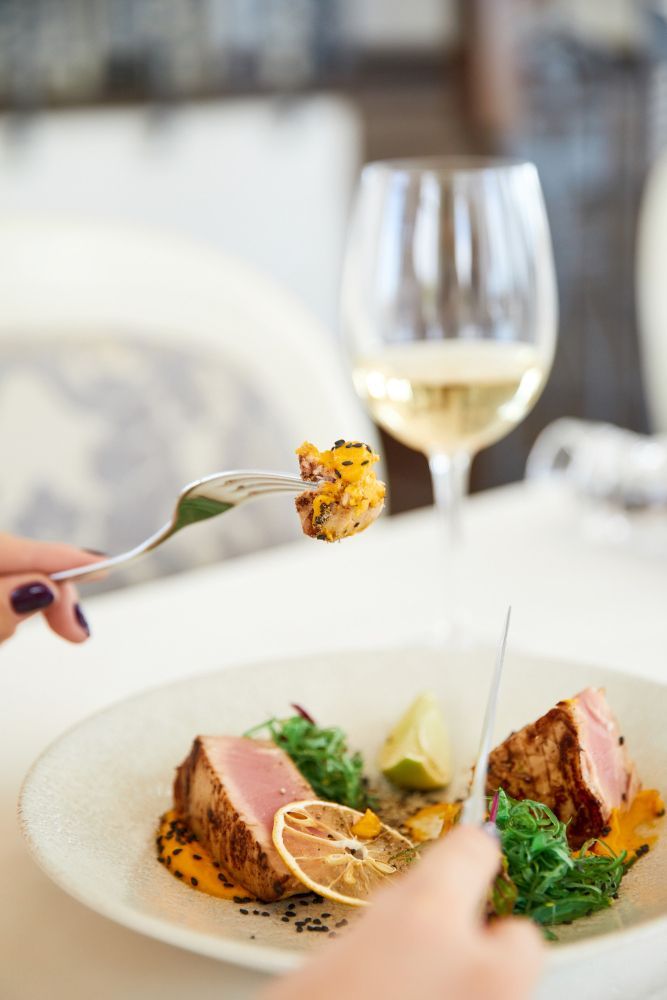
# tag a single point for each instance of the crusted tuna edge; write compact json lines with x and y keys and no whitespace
{"x":553,"y":774}
{"x":225,"y":833}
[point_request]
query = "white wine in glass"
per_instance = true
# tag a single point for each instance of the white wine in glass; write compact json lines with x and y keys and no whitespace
{"x":449,"y":308}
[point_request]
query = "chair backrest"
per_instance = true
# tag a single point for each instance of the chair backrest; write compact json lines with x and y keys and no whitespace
{"x":266,"y":180}
{"x":132,"y":362}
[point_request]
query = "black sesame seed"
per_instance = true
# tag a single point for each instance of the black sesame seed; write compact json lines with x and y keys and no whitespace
{"x":194,"y":881}
{"x":299,"y":930}
{"x":342,"y":923}
{"x":255,"y":913}
{"x":177,"y":850}
{"x":368,"y":448}
{"x":338,"y":443}
{"x":161,"y":860}
{"x":337,"y":473}
{"x":304,"y":902}
{"x":317,"y":899}
{"x":322,"y":537}
{"x":168,"y":862}
{"x":621,"y":740}
{"x":265,"y":913}
{"x":244,"y":912}
{"x":285,"y":920}
{"x":366,"y":461}
{"x":348,"y":461}
{"x":216,"y":864}
{"x":252,"y":937}
{"x":291,"y":906}
{"x":170,"y":835}
{"x":178,"y":874}
{"x":317,"y":920}
{"x":196,"y":857}
{"x":325,"y":915}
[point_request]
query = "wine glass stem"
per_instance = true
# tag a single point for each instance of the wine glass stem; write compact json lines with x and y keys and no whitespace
{"x":450,"y":484}
{"x":450,"y":475}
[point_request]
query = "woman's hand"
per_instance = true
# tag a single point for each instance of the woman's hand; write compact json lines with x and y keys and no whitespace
{"x":25,"y":587}
{"x":425,"y":938}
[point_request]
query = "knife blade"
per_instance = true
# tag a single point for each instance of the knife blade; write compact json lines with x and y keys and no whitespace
{"x":474,"y":808}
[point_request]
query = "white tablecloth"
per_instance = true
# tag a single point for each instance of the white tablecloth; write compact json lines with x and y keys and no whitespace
{"x":572,"y":596}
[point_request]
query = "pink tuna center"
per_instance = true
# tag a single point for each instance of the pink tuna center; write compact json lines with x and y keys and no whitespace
{"x":263,"y":777}
{"x":603,"y":758}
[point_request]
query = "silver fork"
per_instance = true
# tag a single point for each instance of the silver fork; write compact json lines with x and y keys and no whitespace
{"x":198,"y":501}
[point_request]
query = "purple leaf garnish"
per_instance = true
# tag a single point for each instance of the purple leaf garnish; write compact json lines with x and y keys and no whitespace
{"x":304,"y":714}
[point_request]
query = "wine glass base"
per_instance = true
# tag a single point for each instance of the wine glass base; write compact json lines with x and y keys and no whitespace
{"x":451,"y":634}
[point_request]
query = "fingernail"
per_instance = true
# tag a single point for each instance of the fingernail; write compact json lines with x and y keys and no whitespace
{"x":31,"y":597}
{"x":81,"y":619}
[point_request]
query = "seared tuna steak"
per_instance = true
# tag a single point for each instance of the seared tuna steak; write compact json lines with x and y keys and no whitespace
{"x":574,"y":760}
{"x":230,"y":788}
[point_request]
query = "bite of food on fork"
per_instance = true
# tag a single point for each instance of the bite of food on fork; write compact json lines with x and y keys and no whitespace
{"x":339,"y":496}
{"x":348,"y":498}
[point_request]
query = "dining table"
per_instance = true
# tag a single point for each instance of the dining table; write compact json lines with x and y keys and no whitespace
{"x":578,"y":592}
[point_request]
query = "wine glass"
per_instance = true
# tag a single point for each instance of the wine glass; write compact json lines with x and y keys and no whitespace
{"x":449,"y":310}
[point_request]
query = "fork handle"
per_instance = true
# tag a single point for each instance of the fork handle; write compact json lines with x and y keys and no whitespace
{"x":83,"y":572}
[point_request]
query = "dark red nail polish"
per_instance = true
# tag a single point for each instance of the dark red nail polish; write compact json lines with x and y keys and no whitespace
{"x":31,"y":597}
{"x":81,"y":619}
{"x":96,"y":552}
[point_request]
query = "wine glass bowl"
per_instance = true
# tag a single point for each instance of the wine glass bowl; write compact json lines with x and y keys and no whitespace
{"x":449,"y":300}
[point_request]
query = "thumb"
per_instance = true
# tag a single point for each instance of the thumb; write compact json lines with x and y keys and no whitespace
{"x":461,"y":867}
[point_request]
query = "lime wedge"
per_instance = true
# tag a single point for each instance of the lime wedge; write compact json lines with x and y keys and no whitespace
{"x":416,"y":753}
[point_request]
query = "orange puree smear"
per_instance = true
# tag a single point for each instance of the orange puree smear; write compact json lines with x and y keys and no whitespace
{"x":433,"y":821}
{"x":624,"y":824}
{"x":187,"y":860}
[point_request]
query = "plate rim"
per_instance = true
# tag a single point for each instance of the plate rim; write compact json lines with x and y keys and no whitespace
{"x":266,"y":958}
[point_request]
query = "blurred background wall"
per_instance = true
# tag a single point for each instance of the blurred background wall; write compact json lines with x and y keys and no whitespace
{"x":243,"y":123}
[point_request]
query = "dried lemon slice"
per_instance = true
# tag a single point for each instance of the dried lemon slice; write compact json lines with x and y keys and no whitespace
{"x":317,"y":842}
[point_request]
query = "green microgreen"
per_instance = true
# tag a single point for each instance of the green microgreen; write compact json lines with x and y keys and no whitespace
{"x":554,"y":885}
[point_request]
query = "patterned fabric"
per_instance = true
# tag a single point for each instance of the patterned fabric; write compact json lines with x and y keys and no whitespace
{"x":98,"y":435}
